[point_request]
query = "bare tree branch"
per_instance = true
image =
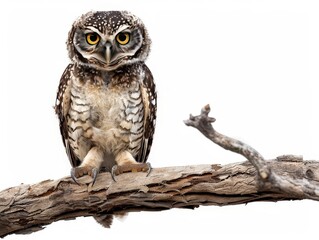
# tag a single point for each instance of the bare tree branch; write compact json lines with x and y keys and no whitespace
{"x":28,"y":208}
{"x":204,"y":124}
{"x":299,"y":187}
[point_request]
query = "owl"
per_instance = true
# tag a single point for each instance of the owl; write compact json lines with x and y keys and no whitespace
{"x":106,"y":100}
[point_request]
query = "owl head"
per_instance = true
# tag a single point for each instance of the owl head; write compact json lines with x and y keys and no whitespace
{"x":108,"y":40}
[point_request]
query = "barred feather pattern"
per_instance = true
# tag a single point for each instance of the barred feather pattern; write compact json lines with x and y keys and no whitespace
{"x":114,"y":111}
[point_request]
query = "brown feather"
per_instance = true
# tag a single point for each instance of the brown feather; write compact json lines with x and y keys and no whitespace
{"x":150,"y":103}
{"x":62,"y":104}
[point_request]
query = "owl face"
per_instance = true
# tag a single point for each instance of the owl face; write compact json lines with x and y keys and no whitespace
{"x":108,"y":40}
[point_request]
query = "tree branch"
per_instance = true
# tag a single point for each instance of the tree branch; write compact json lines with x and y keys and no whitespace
{"x":204,"y":124}
{"x":28,"y":208}
{"x":300,"y":188}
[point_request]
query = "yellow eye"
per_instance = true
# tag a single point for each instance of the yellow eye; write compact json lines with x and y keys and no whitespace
{"x":92,"y":38}
{"x":123,"y":38}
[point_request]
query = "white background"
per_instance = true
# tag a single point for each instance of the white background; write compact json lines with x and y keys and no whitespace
{"x":255,"y":62}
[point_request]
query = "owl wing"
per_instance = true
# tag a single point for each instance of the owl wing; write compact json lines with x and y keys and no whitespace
{"x":150,"y":106}
{"x":62,"y":105}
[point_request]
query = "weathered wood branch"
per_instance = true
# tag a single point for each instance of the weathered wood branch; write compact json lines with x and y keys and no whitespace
{"x":301,"y":188}
{"x":28,"y":208}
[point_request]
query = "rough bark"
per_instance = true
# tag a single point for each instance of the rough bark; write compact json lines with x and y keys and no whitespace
{"x":267,"y":176}
{"x":28,"y":208}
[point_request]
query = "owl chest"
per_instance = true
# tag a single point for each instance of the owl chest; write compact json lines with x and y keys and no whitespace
{"x":106,"y":114}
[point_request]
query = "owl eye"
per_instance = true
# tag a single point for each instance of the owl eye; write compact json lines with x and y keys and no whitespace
{"x":92,"y":38}
{"x":123,"y":38}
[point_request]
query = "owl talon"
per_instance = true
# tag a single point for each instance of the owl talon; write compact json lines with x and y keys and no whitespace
{"x":114,"y":172}
{"x":149,"y":169}
{"x":81,"y":171}
{"x":73,"y":176}
{"x":95,"y":171}
{"x":136,"y":167}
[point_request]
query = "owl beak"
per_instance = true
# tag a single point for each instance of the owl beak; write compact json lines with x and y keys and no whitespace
{"x":108,"y":53}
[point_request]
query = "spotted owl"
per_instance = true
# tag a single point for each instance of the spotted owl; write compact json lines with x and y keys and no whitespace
{"x":106,"y":100}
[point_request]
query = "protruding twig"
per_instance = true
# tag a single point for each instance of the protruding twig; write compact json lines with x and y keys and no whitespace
{"x":203,"y":123}
{"x":299,"y":188}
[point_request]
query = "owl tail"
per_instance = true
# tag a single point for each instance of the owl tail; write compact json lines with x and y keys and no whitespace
{"x":104,"y":219}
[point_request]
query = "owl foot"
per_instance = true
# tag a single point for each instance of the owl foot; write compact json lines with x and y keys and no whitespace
{"x":81,"y":171}
{"x":131,"y":167}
